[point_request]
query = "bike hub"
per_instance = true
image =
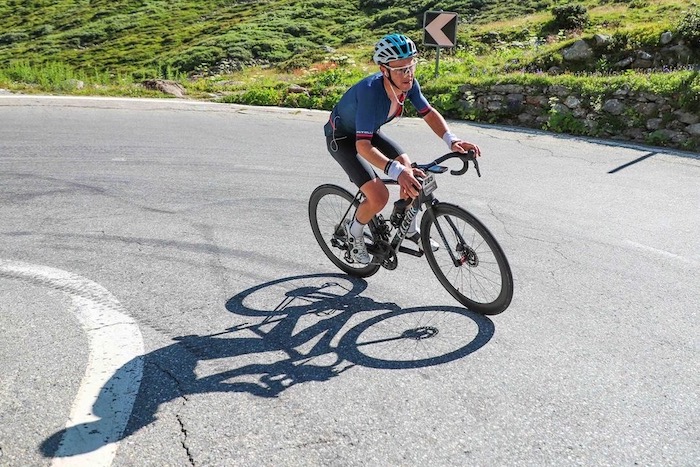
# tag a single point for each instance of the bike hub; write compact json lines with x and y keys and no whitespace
{"x":421,"y":333}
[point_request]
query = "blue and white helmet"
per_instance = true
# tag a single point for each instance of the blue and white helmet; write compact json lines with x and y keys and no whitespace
{"x":394,"y":47}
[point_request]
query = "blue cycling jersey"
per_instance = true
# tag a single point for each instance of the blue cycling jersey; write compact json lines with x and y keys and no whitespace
{"x":364,"y":108}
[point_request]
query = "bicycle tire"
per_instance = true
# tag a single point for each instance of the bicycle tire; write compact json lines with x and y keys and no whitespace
{"x":483,"y":281}
{"x":327,"y":205}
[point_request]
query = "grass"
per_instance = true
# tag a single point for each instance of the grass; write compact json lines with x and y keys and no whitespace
{"x":252,"y":51}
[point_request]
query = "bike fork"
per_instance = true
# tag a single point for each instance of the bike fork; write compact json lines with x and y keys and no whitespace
{"x":456,"y":261}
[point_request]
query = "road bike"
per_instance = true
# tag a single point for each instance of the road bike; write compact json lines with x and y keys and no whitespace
{"x":469,"y":263}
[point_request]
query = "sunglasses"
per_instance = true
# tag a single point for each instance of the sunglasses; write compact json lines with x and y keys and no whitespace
{"x":404,"y":70}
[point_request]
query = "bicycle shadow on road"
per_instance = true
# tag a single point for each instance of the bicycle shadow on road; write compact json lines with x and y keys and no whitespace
{"x":316,"y":326}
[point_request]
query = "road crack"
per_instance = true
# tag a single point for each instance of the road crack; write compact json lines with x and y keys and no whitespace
{"x":178,"y":417}
{"x":183,"y":430}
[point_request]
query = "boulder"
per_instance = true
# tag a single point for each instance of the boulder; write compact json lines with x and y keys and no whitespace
{"x":653,"y":124}
{"x":614,"y":106}
{"x":572,"y":102}
{"x":578,"y":52}
{"x":165,"y":86}
{"x":686,"y":117}
{"x":601,"y":40}
{"x":666,"y":38}
{"x":296,"y":89}
{"x":624,"y":63}
{"x":682,"y":53}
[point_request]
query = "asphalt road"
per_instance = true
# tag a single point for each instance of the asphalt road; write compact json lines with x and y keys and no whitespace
{"x":163,"y":300}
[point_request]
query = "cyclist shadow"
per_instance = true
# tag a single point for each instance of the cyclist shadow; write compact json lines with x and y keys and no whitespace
{"x":316,"y":326}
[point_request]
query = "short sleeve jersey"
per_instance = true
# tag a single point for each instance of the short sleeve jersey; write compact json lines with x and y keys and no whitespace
{"x":364,"y":108}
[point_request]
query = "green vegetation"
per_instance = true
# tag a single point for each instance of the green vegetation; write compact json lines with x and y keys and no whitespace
{"x":306,"y":53}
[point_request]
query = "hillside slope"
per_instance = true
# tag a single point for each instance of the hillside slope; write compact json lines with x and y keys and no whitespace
{"x":128,"y":35}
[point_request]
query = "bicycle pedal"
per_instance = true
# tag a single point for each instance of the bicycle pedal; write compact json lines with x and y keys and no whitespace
{"x":411,"y":251}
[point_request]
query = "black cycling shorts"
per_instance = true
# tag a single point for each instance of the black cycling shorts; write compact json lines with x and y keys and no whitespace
{"x":343,"y":150}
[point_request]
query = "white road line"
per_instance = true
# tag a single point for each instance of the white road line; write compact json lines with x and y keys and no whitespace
{"x":114,"y":369}
{"x":667,"y":254}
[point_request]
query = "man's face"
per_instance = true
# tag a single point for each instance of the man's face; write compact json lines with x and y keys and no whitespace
{"x":402,"y":72}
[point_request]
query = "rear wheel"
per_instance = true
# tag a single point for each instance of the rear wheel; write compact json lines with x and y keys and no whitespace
{"x":470,"y":264}
{"x":327,"y":205}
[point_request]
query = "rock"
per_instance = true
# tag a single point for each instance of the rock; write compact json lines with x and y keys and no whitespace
{"x":646,"y":108}
{"x":514,"y":103}
{"x":624,"y":63}
{"x":74,"y":84}
{"x":572,"y":102}
{"x":649,"y":97}
{"x":694,"y":129}
{"x":653,"y":124}
{"x":296,"y":89}
{"x":579,"y":112}
{"x":526,"y":119}
{"x":165,"y":86}
{"x":601,"y":40}
{"x":578,"y":52}
{"x":642,"y":63}
{"x":561,"y":108}
{"x":537,"y":101}
{"x":507,"y":88}
{"x":666,"y":38}
{"x":614,"y":106}
{"x":494,"y":105}
{"x":559,"y":90}
{"x":682,"y":52}
{"x":622,"y":92}
{"x":635,"y":134}
{"x":687,"y":117}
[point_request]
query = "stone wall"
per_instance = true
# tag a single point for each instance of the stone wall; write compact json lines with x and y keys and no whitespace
{"x":626,"y":115}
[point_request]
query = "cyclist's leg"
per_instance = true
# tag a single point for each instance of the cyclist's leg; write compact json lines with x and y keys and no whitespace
{"x":361,"y":173}
{"x":364,"y":177}
{"x":392,"y":150}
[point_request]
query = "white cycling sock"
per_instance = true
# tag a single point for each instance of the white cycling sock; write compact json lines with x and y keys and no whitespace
{"x":356,"y":228}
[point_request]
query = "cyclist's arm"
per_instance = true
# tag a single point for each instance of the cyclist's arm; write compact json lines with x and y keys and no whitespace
{"x":437,"y":123}
{"x":374,"y":156}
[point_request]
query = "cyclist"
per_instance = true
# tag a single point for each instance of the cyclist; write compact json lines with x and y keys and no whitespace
{"x":354,"y":139}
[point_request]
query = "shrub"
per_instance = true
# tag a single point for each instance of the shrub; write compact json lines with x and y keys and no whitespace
{"x":296,"y":62}
{"x":239,"y":53}
{"x":389,"y":16}
{"x":571,"y":16}
{"x":44,"y":30}
{"x":367,"y":4}
{"x":196,"y":57}
{"x":689,"y":27}
{"x":88,"y":36}
{"x":564,"y":122}
{"x":11,"y":37}
{"x":261,"y":96}
{"x":273,"y":50}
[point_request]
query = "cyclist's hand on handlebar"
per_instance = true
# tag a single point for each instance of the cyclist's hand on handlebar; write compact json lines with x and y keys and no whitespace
{"x":464,"y":146}
{"x":409,"y":183}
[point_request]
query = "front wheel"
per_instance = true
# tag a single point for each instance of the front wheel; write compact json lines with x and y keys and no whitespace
{"x":327,"y":206}
{"x":470,"y":264}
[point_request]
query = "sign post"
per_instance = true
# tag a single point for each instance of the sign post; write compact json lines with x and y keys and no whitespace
{"x":439,"y":30}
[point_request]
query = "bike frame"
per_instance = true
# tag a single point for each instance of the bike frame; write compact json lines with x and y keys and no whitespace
{"x":422,"y":200}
